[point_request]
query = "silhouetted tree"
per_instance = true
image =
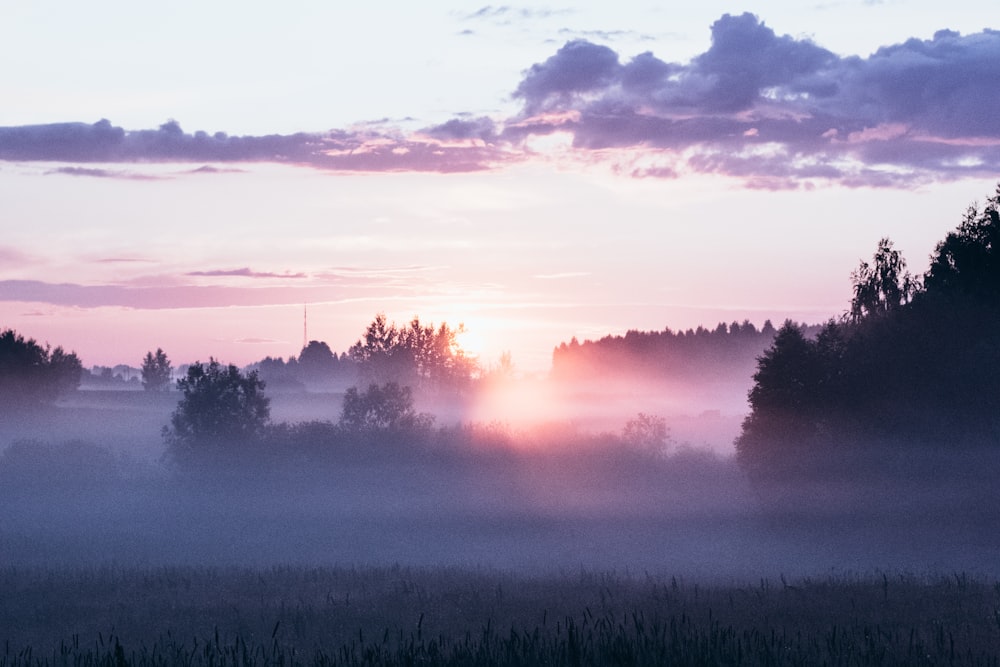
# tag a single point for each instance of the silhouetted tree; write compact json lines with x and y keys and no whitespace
{"x":913,"y":366}
{"x":156,"y":370}
{"x":782,"y":401}
{"x":416,"y":354}
{"x":883,"y":285}
{"x":378,"y":352}
{"x":218,"y":405}
{"x":317,"y":360}
{"x":32,"y":375}
{"x":967,"y":262}
{"x":387,"y":407}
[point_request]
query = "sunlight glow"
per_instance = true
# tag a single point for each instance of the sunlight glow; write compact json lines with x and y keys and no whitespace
{"x":471,"y":343}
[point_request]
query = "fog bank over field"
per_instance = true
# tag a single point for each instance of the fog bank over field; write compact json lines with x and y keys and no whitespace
{"x":544,"y":498}
{"x":703,"y":414}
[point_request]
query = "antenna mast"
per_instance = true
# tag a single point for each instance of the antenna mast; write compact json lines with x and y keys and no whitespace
{"x":305,"y":327}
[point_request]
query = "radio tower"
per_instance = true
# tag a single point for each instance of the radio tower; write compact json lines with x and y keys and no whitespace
{"x":305,"y":327}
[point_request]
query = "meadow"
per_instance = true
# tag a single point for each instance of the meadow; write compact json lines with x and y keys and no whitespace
{"x":457,"y":616}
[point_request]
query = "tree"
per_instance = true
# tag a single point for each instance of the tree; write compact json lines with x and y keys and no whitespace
{"x":782,"y":402}
{"x":32,"y":375}
{"x":387,"y":407}
{"x":156,"y":370}
{"x":218,"y":405}
{"x":882,"y":286}
{"x":317,"y":359}
{"x":649,"y":432}
{"x":413,"y":355}
{"x":379,"y":353}
{"x":967,"y":261}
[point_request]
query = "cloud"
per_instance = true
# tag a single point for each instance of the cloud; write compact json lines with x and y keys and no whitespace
{"x":245,"y":273}
{"x":13,"y":257}
{"x":463,"y":129}
{"x":103,"y":173}
{"x":779,"y":110}
{"x":124,"y":260}
{"x":562,"y":276}
{"x":606,"y":35}
{"x":372,"y":272}
{"x":578,"y":67}
{"x":505,"y":14}
{"x":363,"y":150}
{"x":774,"y":110}
{"x":209,"y":169}
{"x":157,"y":297}
{"x":172,"y":292}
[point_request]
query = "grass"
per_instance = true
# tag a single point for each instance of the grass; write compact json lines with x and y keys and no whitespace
{"x":443,"y":616}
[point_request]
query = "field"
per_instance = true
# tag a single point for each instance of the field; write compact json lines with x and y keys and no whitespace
{"x":402,"y":616}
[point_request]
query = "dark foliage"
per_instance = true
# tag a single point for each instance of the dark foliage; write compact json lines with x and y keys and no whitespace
{"x":32,"y":375}
{"x":218,"y":405}
{"x":882,"y":286}
{"x":967,"y":262}
{"x":911,"y":367}
{"x":280,"y":375}
{"x":156,"y":370}
{"x":387,"y":407}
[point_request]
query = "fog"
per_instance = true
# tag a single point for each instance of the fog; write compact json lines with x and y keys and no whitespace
{"x":531,"y":477}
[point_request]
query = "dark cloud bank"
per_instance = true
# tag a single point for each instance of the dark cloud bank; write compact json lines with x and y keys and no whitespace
{"x":772,"y":109}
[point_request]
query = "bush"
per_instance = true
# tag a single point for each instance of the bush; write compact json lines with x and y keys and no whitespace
{"x":218,"y":405}
{"x":387,"y":407}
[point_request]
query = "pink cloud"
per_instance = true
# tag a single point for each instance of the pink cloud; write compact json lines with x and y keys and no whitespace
{"x":13,"y":257}
{"x":124,"y":260}
{"x":245,"y":272}
{"x":884,"y":132}
{"x":151,"y":298}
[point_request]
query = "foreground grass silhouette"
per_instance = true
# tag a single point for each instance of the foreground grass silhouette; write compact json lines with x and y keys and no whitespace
{"x":400,"y":616}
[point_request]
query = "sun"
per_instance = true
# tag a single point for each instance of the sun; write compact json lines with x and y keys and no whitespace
{"x":470,"y":342}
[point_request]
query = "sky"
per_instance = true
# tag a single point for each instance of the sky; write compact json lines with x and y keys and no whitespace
{"x":199,"y":177}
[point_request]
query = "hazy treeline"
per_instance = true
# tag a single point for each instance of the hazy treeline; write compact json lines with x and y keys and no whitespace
{"x":316,"y":367}
{"x":693,"y":355}
{"x":415,"y":354}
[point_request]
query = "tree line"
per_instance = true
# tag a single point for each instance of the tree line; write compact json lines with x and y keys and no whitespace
{"x":416,"y":354}
{"x":914,"y":363}
{"x":221,"y":406}
{"x":723,"y":352}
